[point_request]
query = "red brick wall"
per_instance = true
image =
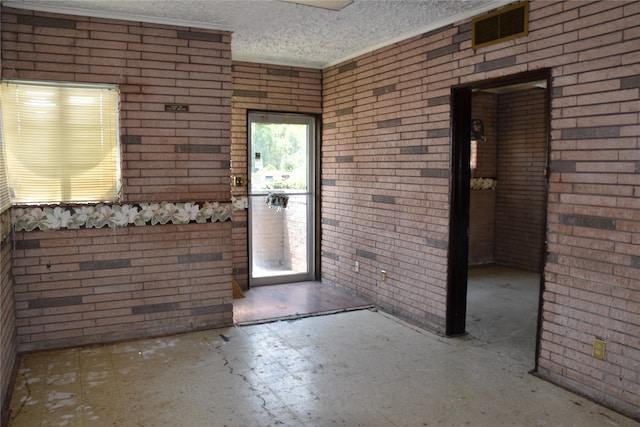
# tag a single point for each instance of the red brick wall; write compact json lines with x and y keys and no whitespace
{"x":386,"y":181}
{"x":94,"y":285}
{"x":521,"y":191}
{"x":7,"y":320}
{"x":113,"y":284}
{"x":269,"y":88}
{"x":482,"y":202}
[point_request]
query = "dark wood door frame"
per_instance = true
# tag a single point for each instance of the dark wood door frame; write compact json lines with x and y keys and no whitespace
{"x":460,"y":192}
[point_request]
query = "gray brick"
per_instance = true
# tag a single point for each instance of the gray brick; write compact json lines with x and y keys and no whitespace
{"x":104,"y":265}
{"x":55,"y":302}
{"x":496,"y":64}
{"x":588,"y":221}
{"x":366,"y":254}
{"x":596,"y":132}
{"x":213,"y":256}
{"x":154,"y":308}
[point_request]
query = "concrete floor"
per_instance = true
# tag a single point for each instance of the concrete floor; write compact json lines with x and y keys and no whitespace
{"x":359,"y":368}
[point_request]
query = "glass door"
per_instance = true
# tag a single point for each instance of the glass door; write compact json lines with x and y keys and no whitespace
{"x":281,"y":192}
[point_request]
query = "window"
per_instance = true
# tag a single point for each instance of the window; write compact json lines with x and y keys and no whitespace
{"x":61,"y":142}
{"x":5,"y":202}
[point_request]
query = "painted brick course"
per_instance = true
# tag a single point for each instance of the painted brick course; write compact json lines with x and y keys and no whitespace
{"x":591,"y":271}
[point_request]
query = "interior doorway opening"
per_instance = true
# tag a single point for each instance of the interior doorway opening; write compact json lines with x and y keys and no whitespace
{"x":499,"y":198}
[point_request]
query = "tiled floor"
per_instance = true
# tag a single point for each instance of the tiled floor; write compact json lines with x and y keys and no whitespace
{"x":358,"y":368}
{"x":267,"y":303}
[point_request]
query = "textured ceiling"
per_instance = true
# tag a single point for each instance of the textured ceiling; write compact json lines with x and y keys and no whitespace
{"x":276,"y":32}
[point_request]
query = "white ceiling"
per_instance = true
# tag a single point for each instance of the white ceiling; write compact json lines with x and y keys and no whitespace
{"x":276,"y":32}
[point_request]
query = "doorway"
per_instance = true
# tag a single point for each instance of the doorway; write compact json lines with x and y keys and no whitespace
{"x":282,"y":199}
{"x":499,"y":190}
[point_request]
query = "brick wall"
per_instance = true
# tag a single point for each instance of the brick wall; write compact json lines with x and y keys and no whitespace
{"x":482,"y":202}
{"x":120,"y":283}
{"x":521,"y":192}
{"x":93,"y":285}
{"x":269,"y":88}
{"x":7,"y":320}
{"x":386,"y":181}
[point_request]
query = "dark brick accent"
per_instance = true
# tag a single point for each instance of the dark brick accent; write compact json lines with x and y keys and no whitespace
{"x":27,"y":244}
{"x":434,"y":173}
{"x":348,"y":67}
{"x":329,"y":126}
{"x":240,"y":271}
{"x":212,"y":309}
{"x":366,"y":254}
{"x":344,"y":111}
{"x":437,"y":133}
{"x":595,"y":132}
{"x":384,"y":89}
{"x":437,"y":243}
{"x":389,"y":123}
{"x":442,"y":51}
{"x":225,"y":164}
{"x":383,"y":199}
{"x":331,"y":255}
{"x":214,"y":256}
{"x":440,"y":100}
{"x":630,"y":82}
{"x":105,"y":265}
{"x":588,"y":221}
{"x":414,"y":149}
{"x":496,"y":64}
{"x":281,"y":72}
{"x":188,"y":148}
{"x":40,"y":21}
{"x":635,"y":261}
{"x":332,"y":222}
{"x":130,"y":139}
{"x":464,"y":33}
{"x":154,"y":308}
{"x":195,"y":35}
{"x":240,"y":224}
{"x":55,"y":302}
{"x":344,"y":159}
{"x":250,"y":93}
{"x":566,"y":166}
{"x":329,"y":182}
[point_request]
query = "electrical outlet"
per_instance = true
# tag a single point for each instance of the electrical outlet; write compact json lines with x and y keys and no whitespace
{"x":598,"y":348}
{"x":384,"y":276}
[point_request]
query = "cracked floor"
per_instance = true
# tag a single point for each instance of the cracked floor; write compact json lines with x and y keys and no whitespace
{"x":358,"y":368}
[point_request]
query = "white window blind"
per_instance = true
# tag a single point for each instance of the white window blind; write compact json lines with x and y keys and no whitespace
{"x":61,"y":142}
{"x":5,"y":202}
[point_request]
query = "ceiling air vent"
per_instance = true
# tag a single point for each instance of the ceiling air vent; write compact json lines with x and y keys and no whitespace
{"x":505,"y":24}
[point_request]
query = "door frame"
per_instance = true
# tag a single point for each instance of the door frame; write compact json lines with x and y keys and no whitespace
{"x":457,"y":263}
{"x":314,"y":185}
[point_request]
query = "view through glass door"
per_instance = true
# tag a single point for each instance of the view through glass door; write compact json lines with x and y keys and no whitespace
{"x":281,"y":198}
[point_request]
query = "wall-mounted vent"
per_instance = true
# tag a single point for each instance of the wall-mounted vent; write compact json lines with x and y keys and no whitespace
{"x":505,"y":24}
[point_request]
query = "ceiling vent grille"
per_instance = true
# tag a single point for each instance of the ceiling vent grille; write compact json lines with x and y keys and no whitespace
{"x":505,"y":24}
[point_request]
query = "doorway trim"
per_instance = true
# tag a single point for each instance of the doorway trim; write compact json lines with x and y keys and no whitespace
{"x":460,"y":192}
